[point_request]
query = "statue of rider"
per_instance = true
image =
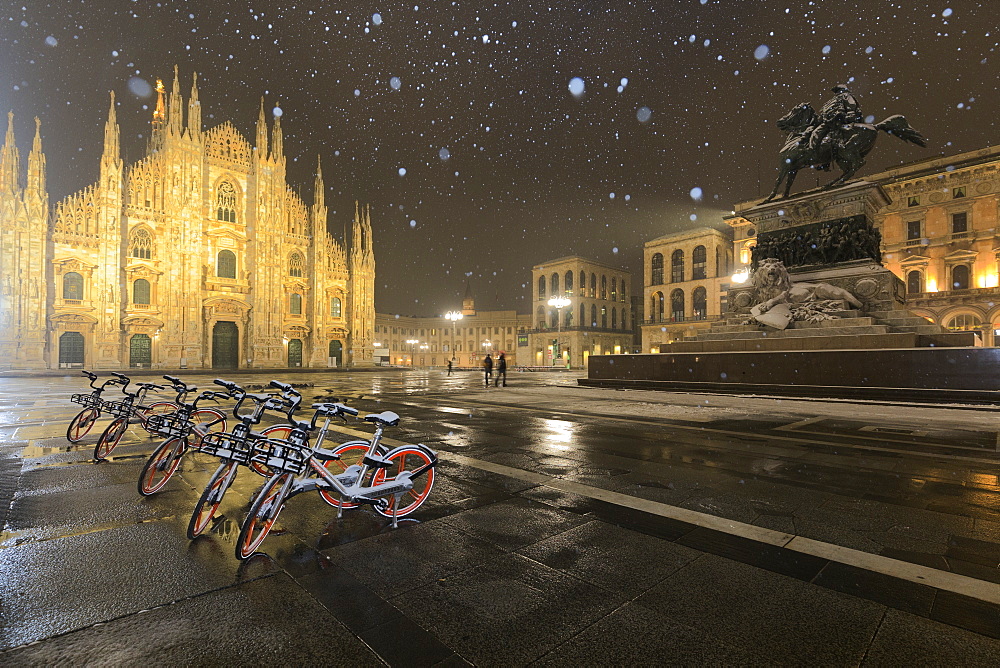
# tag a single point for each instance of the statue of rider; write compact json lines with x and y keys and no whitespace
{"x":840,"y":110}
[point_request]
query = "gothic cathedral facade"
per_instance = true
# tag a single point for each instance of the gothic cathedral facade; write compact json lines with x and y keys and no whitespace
{"x":199,"y":255}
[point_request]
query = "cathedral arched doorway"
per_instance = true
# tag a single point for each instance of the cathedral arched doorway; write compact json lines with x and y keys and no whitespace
{"x":71,"y":350}
{"x":295,"y":352}
{"x":336,"y":353}
{"x":225,"y":345}
{"x":140,"y":351}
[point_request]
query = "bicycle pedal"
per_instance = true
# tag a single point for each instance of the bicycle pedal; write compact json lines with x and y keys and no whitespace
{"x":381,"y":504}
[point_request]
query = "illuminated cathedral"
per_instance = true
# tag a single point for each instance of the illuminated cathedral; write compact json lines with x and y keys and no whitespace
{"x":199,"y":255}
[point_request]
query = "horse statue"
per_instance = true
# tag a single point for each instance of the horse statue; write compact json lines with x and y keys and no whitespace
{"x":847,"y":147}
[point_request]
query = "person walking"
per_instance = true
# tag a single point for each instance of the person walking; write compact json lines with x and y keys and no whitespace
{"x":488,"y":368}
{"x":449,"y":367}
{"x":501,"y":371}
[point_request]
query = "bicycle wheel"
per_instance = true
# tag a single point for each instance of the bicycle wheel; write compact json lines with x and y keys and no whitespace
{"x":161,"y":465}
{"x":81,"y":425}
{"x":110,"y":438}
{"x":350,"y":454}
{"x":156,"y":408}
{"x":263,"y":513}
{"x":405,"y":459}
{"x":278,"y":431}
{"x":210,"y":499}
{"x":206,"y":421}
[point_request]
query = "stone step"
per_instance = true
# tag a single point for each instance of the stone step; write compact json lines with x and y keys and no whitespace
{"x":841,"y":342}
{"x":926,"y":328}
{"x":802,"y":324}
{"x":792,"y":333}
{"x":845,"y":314}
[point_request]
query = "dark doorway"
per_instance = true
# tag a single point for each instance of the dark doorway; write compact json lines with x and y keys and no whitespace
{"x":337,"y":353}
{"x":225,"y":345}
{"x":295,"y":352}
{"x":71,"y":350}
{"x":140,"y":351}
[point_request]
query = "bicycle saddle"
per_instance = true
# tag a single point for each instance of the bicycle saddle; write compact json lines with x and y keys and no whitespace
{"x":387,"y":418}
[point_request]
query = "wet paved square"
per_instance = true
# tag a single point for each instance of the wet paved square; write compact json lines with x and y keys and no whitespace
{"x":502,"y":566}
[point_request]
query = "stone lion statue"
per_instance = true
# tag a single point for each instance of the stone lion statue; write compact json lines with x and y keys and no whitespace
{"x":779,"y":301}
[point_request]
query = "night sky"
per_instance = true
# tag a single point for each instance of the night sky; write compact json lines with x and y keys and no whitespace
{"x":457,"y":122}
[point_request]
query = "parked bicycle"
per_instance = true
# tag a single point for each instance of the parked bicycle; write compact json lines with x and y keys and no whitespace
{"x":128,"y":411}
{"x":93,"y":405}
{"x":233,"y":450}
{"x":183,"y":430}
{"x":394,"y":482}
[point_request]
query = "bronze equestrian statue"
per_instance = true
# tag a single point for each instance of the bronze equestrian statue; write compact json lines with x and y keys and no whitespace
{"x":835,"y":135}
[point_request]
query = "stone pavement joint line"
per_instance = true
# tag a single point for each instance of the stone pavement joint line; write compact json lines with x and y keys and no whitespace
{"x":925,"y":575}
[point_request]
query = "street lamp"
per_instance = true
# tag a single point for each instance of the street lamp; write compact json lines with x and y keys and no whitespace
{"x":413,"y":343}
{"x":558,"y":303}
{"x":454,"y":316}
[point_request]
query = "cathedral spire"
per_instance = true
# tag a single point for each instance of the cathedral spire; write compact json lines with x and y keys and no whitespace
{"x":36,"y":165}
{"x":194,"y":111}
{"x":319,"y":196}
{"x":10,"y":160}
{"x":261,"y":132}
{"x":175,"y":113}
{"x":111,"y":163}
{"x":111,"y":146}
{"x":277,"y":148}
{"x":159,"y":119}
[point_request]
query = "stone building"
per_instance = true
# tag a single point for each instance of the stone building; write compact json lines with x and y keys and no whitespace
{"x":198,"y":255}
{"x":596,"y":320}
{"x":436,"y":339}
{"x":685,"y":279}
{"x":940,"y":235}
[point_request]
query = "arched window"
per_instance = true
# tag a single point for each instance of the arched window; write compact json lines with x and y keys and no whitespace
{"x":964,"y":322}
{"x":225,"y":266}
{"x":540,"y":317}
{"x":656,"y":269}
{"x":614,"y":318}
{"x":583,"y":315}
{"x":621,"y":291}
{"x":593,"y":287}
{"x":335,"y":307}
{"x":677,"y":306}
{"x":656,"y":307}
{"x":699,"y":258}
{"x":960,"y":277}
{"x":583,"y":286}
{"x":567,"y":319}
{"x":140,"y":244}
{"x":295,"y":265}
{"x":914,"y":282}
{"x":554,"y":284}
{"x":73,"y":286}
{"x":614,"y":289}
{"x":593,"y":315}
{"x":569,"y":283}
{"x":140,"y":292}
{"x":604,"y":317}
{"x":624,"y":320}
{"x":699,"y":303}
{"x":604,"y":287}
{"x":677,"y":267}
{"x":225,"y":202}
{"x":295,"y":304}
{"x":541,"y":287}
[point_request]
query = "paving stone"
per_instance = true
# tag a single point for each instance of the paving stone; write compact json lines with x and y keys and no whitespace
{"x":616,"y":559}
{"x":508,"y":611}
{"x":513,"y":524}
{"x":908,"y":640}
{"x":768,"y":614}
{"x":212,"y":629}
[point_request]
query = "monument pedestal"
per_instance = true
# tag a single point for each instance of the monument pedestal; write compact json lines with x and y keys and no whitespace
{"x":877,"y":349}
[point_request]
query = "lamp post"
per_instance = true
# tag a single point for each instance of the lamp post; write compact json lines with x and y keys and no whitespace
{"x":413,"y":343}
{"x":423,"y":351}
{"x":454,"y":316}
{"x":558,"y":303}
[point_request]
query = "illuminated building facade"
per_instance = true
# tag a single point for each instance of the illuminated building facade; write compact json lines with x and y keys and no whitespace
{"x":199,"y":255}
{"x":685,"y":279}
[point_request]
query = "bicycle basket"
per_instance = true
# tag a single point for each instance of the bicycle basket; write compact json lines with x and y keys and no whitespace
{"x":87,"y":400}
{"x":280,"y":455}
{"x":119,"y":409}
{"x":172,"y":425}
{"x":227,"y":446}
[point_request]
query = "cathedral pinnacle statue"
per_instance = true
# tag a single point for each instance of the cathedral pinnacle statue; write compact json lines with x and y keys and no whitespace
{"x":837,"y":134}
